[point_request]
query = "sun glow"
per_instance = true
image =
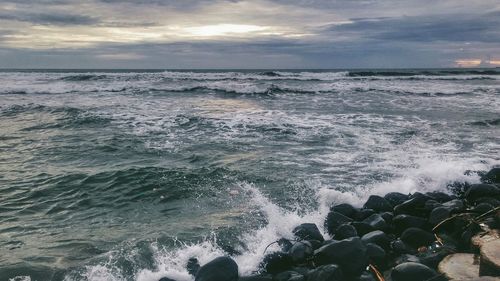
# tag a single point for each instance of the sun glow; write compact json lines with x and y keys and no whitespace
{"x":223,"y":30}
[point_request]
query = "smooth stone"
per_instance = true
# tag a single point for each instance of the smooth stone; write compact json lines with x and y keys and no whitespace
{"x":482,"y":190}
{"x":345,"y":209}
{"x":285,"y":244}
{"x":376,"y":222}
{"x":378,"y":203}
{"x":277,"y":262}
{"x":301,"y":251}
{"x":315,"y":244}
{"x":192,"y":266}
{"x":411,"y":271}
{"x":400,"y":247}
{"x":490,"y":258}
{"x":433,"y":258}
{"x":479,"y":239}
{"x":378,"y":237}
{"x":349,"y":253}
{"x":362,"y":228}
{"x":454,"y":205}
{"x":403,"y":222}
{"x":364,"y":213}
{"x":459,"y":266}
{"x":256,"y":278}
{"x":492,"y":201}
{"x":438,"y":215}
{"x":289,"y":276}
{"x":387,"y":216}
{"x":414,"y":206}
{"x":417,"y":237}
{"x":482,"y":208}
{"x":431,"y":205}
{"x":366,"y":276}
{"x":406,"y":258}
{"x":330,"y":272}
{"x":396,"y":198}
{"x":439,"y":196}
{"x":166,"y":279}
{"x":334,"y":220}
{"x":219,"y":269}
{"x":376,"y":254}
{"x":345,"y":231}
{"x":493,"y":176}
{"x":308,"y":231}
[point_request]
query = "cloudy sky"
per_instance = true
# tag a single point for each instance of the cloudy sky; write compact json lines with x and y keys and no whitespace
{"x":248,"y":33}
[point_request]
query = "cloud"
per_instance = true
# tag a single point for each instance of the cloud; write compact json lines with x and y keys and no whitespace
{"x":50,"y":19}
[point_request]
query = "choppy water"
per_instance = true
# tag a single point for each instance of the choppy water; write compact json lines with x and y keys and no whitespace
{"x":123,"y":175}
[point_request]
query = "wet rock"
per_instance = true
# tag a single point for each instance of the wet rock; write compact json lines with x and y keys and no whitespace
{"x":345,"y":231}
{"x":219,"y":269}
{"x":376,"y":254}
{"x":483,"y":208}
{"x":482,"y":190}
{"x":493,"y":176}
{"x":377,"y":237}
{"x":492,"y":201}
{"x":454,"y":205}
{"x":417,"y":237}
{"x":362,"y":228}
{"x":301,"y":251}
{"x":378,"y":204}
{"x":285,"y":244}
{"x":376,"y":222}
{"x":431,"y":205}
{"x":256,"y":278}
{"x":387,"y":216}
{"x":396,"y":198}
{"x":193,"y":266}
{"x":400,"y":247}
{"x":315,"y":244}
{"x":166,"y":279}
{"x":411,"y":271}
{"x":440,"y":196}
{"x":330,"y":272}
{"x":364,"y":213}
{"x":414,"y":206}
{"x":334,"y":220}
{"x":403,"y":222}
{"x":308,"y":231}
{"x":277,"y":262}
{"x":438,"y":215}
{"x":349,"y":253}
{"x":433,"y":258}
{"x":289,"y":276}
{"x":366,"y":276}
{"x":406,"y":258}
{"x":346,"y":210}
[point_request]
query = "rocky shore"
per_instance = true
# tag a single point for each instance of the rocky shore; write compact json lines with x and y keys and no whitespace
{"x":400,"y":237}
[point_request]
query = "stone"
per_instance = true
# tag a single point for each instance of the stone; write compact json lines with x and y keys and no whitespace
{"x":411,"y":271}
{"x":219,"y":269}
{"x":376,"y":222}
{"x":193,"y":266}
{"x":330,"y":272}
{"x":454,"y":205}
{"x":431,"y":205}
{"x":482,"y":190}
{"x":479,"y":239}
{"x":366,"y":276}
{"x":459,"y":266}
{"x":396,"y":198}
{"x":493,"y":176}
{"x":308,"y":231}
{"x":289,"y":276}
{"x":377,"y":237}
{"x":362,"y":228}
{"x":277,"y":262}
{"x":378,"y":204}
{"x":417,"y":237}
{"x":256,"y":278}
{"x":345,"y":209}
{"x":414,"y":206}
{"x":438,"y":215}
{"x":349,"y":253}
{"x":439,"y":196}
{"x":400,"y":247}
{"x":387,"y":216}
{"x":166,"y":279}
{"x":376,"y":254}
{"x":315,"y":243}
{"x":285,"y":244}
{"x":364,"y":213}
{"x":489,"y":264}
{"x":434,"y":257}
{"x":301,"y":251}
{"x":345,"y":231}
{"x":482,"y":208}
{"x":403,"y":222}
{"x":334,"y":220}
{"x":406,"y":258}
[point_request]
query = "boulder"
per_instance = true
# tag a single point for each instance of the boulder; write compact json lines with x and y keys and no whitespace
{"x":400,"y":247}
{"x":367,"y":276}
{"x":490,"y":258}
{"x":387,"y":216}
{"x":301,"y":251}
{"x":193,"y":266}
{"x":432,"y":258}
{"x":378,"y":204}
{"x":493,"y":176}
{"x":364,"y":213}
{"x":289,"y":276}
{"x":454,"y":205}
{"x":403,"y":222}
{"x":334,"y":220}
{"x":308,"y":231}
{"x":362,"y":228}
{"x":377,"y":237}
{"x":219,"y":269}
{"x":414,"y":206}
{"x":440,"y":196}
{"x":376,"y":222}
{"x":277,"y":262}
{"x":482,"y":208}
{"x":345,"y":231}
{"x":166,"y":279}
{"x":285,"y":244}
{"x":459,"y":266}
{"x":256,"y":278}
{"x":438,"y":215}
{"x":411,"y":271}
{"x":478,"y":240}
{"x":345,"y":209}
{"x":396,"y":198}
{"x":417,"y":237}
{"x":482,"y":190}
{"x":376,"y":255}
{"x":349,"y":253}
{"x":330,"y":272}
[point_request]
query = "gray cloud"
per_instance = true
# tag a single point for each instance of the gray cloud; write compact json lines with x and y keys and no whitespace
{"x":49,"y":18}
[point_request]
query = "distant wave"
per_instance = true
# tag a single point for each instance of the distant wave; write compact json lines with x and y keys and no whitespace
{"x":423,"y":72}
{"x":86,"y":77}
{"x":491,"y":122}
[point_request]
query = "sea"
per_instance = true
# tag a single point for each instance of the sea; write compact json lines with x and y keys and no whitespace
{"x":127,"y":174}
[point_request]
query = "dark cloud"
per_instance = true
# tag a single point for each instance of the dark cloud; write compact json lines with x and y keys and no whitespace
{"x":49,"y":18}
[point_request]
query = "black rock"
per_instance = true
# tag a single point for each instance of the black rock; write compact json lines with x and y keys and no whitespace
{"x":411,"y":271}
{"x":377,"y":237}
{"x":289,"y":276}
{"x":482,"y":190}
{"x":400,"y":247}
{"x":256,"y":278}
{"x":376,"y":222}
{"x":345,"y":209}
{"x":301,"y":251}
{"x":362,"y":228}
{"x":406,"y":258}
{"x":396,"y":198}
{"x":493,"y":176}
{"x":277,"y":262}
{"x":439,"y":196}
{"x":376,"y":254}
{"x":377,"y":203}
{"x":193,"y":266}
{"x":403,"y":222}
{"x":349,"y":253}
{"x":492,"y":201}
{"x":454,"y":205}
{"x":345,"y":231}
{"x":285,"y":244}
{"x":387,"y":216}
{"x":482,"y":208}
{"x":438,"y":215}
{"x":364,"y":213}
{"x":414,"y":206}
{"x":334,"y":220}
{"x":219,"y":269}
{"x":431,"y":205}
{"x":366,"y":276}
{"x":432,"y":259}
{"x":417,"y":237}
{"x":166,"y":279}
{"x":316,"y":244}
{"x":308,"y":231}
{"x":330,"y":272}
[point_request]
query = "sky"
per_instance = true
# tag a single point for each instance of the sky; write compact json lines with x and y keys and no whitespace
{"x":173,"y":34}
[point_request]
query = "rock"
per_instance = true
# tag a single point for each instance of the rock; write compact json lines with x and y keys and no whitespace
{"x":490,"y":258}
{"x":193,"y":266}
{"x":460,"y":266}
{"x":493,"y":176}
{"x":362,"y":228}
{"x":166,"y":279}
{"x":406,"y":258}
{"x":334,"y":220}
{"x":376,"y":254}
{"x":400,"y":247}
{"x":417,"y":237}
{"x":438,"y":215}
{"x":411,"y":271}
{"x":403,"y":222}
{"x":346,"y":210}
{"x":377,"y":203}
{"x":285,"y":244}
{"x":431,"y":205}
{"x":492,"y":201}
{"x":364,"y":213}
{"x":434,"y":257}
{"x":414,"y":206}
{"x":376,"y":222}
{"x":440,"y":196}
{"x":377,"y":237}
{"x":387,"y":216}
{"x":482,"y":190}
{"x":315,"y":244}
{"x":345,"y":231}
{"x":330,"y":272}
{"x":454,"y":205}
{"x":301,"y":251}
{"x":478,"y":240}
{"x":482,"y":208}
{"x":308,"y":231}
{"x":277,"y":262}
{"x":396,"y":198}
{"x":219,"y":269}
{"x":366,"y":276}
{"x":289,"y":276}
{"x":256,"y":278}
{"x":349,"y":253}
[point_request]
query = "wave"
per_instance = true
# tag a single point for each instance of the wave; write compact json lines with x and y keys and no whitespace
{"x":421,"y":73}
{"x":84,"y":77}
{"x":487,"y":123}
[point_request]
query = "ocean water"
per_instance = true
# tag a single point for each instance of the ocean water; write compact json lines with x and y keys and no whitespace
{"x":125,"y":175}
